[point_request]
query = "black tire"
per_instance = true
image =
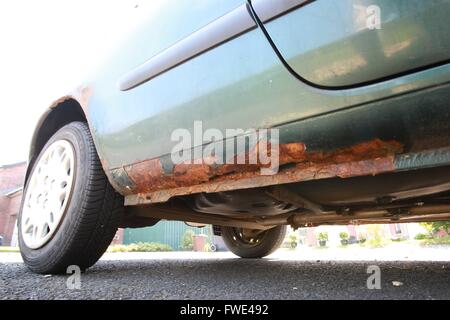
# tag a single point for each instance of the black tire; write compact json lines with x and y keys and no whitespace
{"x":262,"y":245}
{"x":91,"y":217}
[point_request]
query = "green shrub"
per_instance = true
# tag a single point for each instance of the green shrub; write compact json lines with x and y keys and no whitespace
{"x":207,"y":247}
{"x":187,"y":242}
{"x":376,"y":237}
{"x":119,"y":248}
{"x":437,"y":241}
{"x":362,"y":237}
{"x":293,"y":237}
{"x":323,"y":236}
{"x":422,"y":236}
{"x":344,"y":236}
{"x":292,"y":240}
{"x":9,"y":249}
{"x":437,"y":226}
{"x":141,"y":247}
{"x":151,"y":247}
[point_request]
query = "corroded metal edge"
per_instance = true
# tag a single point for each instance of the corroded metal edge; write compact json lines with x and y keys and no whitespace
{"x":153,"y":185}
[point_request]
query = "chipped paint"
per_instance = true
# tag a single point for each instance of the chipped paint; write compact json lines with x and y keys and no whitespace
{"x":81,"y":95}
{"x":154,"y":185}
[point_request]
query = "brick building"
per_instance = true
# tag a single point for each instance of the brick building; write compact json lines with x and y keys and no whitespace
{"x":11,"y":187}
{"x":11,"y":182}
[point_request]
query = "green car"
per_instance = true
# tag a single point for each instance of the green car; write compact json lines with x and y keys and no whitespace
{"x":250,"y":116}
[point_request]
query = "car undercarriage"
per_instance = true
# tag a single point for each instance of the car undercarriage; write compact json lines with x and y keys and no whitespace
{"x":410,"y":196}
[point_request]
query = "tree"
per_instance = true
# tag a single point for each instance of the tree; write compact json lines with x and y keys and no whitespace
{"x":434,"y":227}
{"x":187,"y":242}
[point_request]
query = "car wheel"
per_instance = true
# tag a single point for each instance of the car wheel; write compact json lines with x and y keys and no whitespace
{"x":69,"y":213}
{"x":247,"y":243}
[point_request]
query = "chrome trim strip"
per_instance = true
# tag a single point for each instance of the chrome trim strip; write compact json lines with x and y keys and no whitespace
{"x":270,"y":9}
{"x":213,"y":34}
{"x":217,"y":32}
{"x":423,"y":159}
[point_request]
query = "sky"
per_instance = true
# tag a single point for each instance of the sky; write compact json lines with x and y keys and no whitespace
{"x":46,"y":48}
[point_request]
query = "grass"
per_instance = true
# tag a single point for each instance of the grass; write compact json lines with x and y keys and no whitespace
{"x":436,"y":241}
{"x":9,"y":249}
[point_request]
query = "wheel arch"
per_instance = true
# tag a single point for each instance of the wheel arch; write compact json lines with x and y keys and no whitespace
{"x":60,"y":113}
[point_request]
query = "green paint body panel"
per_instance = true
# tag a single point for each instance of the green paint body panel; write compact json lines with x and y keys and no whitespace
{"x":165,"y":232}
{"x":239,"y":84}
{"x":328,"y":43}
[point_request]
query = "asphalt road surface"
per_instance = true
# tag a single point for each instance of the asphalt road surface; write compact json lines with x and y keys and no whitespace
{"x":221,"y":276}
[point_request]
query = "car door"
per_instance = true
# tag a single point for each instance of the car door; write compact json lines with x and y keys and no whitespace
{"x":236,"y":82}
{"x":348,"y":43}
{"x":134,"y":121}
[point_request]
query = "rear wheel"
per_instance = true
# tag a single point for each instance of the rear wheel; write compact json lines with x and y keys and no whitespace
{"x":70,"y":212}
{"x":248,"y":243}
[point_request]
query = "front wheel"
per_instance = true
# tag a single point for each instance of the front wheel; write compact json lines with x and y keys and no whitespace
{"x":69,"y":212}
{"x":248,"y":243}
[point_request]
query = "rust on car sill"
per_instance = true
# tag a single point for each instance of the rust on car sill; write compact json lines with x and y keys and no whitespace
{"x":153,"y":184}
